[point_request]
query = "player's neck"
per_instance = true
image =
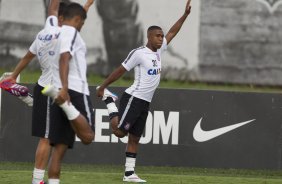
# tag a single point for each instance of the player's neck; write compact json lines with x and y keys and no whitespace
{"x":70,"y":23}
{"x":151,"y":47}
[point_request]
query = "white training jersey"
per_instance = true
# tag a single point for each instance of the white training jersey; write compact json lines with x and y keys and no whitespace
{"x":46,"y":47}
{"x":71,"y":41}
{"x":147,"y":71}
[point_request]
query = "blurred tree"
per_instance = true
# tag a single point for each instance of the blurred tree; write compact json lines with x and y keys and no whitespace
{"x":122,"y":32}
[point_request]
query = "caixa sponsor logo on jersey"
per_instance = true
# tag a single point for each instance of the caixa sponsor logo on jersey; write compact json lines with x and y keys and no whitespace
{"x":158,"y":130}
{"x":48,"y":37}
{"x":154,"y":71}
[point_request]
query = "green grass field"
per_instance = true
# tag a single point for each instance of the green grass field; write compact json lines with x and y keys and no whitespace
{"x":32,"y":76}
{"x":19,"y":173}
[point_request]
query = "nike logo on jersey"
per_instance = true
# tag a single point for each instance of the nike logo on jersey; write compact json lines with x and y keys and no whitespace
{"x":201,"y":135}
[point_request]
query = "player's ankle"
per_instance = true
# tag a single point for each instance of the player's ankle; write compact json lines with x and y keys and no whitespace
{"x":112,"y":108}
{"x":109,"y":100}
{"x":37,"y":175}
{"x":53,"y":181}
{"x":71,"y":112}
{"x":128,"y":173}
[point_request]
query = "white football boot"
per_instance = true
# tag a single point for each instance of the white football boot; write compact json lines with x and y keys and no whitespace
{"x":107,"y":94}
{"x":133,"y":178}
{"x":50,"y":91}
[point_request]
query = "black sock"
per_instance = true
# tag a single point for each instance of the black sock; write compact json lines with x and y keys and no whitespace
{"x":109,"y":100}
{"x":128,"y":173}
{"x":131,"y":155}
{"x":113,"y":114}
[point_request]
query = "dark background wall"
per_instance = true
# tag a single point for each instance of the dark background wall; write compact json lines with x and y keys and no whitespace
{"x":173,"y":117}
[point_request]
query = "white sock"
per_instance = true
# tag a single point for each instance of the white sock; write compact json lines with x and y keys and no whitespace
{"x":37,"y":176}
{"x":71,"y":112}
{"x":53,"y":181}
{"x":112,"y":107}
{"x":130,"y":164}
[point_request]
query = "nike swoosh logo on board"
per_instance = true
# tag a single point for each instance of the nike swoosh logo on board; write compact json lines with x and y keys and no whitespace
{"x":201,"y":135}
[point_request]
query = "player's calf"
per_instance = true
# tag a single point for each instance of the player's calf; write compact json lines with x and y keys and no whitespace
{"x":114,"y":125}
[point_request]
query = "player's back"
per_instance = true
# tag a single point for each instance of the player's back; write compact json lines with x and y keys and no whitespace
{"x":46,"y":47}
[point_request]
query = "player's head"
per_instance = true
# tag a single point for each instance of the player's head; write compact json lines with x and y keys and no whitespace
{"x":75,"y":15}
{"x":62,"y":8}
{"x":155,"y":37}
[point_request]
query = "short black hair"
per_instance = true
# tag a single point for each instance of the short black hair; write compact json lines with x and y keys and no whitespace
{"x":62,"y":8}
{"x":74,"y":9}
{"x":151,"y":28}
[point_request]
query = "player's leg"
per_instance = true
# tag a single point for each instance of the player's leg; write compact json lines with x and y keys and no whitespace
{"x":109,"y":98}
{"x":40,"y":128}
{"x":61,"y":137}
{"x":130,"y":160}
{"x":84,"y":105}
{"x":55,"y":163}
{"x":78,"y":121}
{"x":41,"y":160}
{"x":135,"y":133}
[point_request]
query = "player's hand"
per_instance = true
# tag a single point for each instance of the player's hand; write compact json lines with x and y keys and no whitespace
{"x":90,"y":2}
{"x":100,"y":92}
{"x":63,"y":96}
{"x":188,"y":7}
{"x":9,"y":78}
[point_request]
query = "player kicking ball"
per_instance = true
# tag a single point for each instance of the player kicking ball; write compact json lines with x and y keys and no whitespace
{"x":132,"y":114}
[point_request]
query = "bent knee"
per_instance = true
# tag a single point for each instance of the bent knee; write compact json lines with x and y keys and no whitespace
{"x":88,"y":139}
{"x":119,"y":133}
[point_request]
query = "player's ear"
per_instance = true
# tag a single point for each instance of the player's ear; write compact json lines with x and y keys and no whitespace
{"x":61,"y":18}
{"x":77,"y":18}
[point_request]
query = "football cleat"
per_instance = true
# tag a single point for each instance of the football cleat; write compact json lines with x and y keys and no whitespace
{"x":50,"y":91}
{"x":17,"y":90}
{"x":107,"y":94}
{"x":14,"y":89}
{"x":133,"y":178}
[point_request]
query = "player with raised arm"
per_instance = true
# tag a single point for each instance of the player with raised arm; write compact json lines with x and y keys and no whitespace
{"x":131,"y":116}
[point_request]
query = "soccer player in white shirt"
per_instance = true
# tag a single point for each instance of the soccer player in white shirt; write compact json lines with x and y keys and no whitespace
{"x":44,"y":47}
{"x":70,"y":92}
{"x":131,"y":116}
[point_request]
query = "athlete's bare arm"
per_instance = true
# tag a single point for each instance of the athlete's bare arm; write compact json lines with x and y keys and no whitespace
{"x":20,"y":66}
{"x":64,"y":73}
{"x":53,"y":8}
{"x":88,"y":4}
{"x":115,"y":75}
{"x":177,"y":26}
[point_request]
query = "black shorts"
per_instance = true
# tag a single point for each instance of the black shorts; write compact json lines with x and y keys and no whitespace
{"x":61,"y":131}
{"x":133,"y":114}
{"x":40,"y":113}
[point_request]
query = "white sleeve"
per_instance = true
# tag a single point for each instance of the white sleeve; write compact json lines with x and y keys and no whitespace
{"x":132,"y":60}
{"x":52,"y":21}
{"x":33,"y":48}
{"x":164,"y":45}
{"x":68,"y":37}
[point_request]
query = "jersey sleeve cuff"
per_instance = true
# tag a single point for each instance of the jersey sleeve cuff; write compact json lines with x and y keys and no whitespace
{"x":126,"y":67}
